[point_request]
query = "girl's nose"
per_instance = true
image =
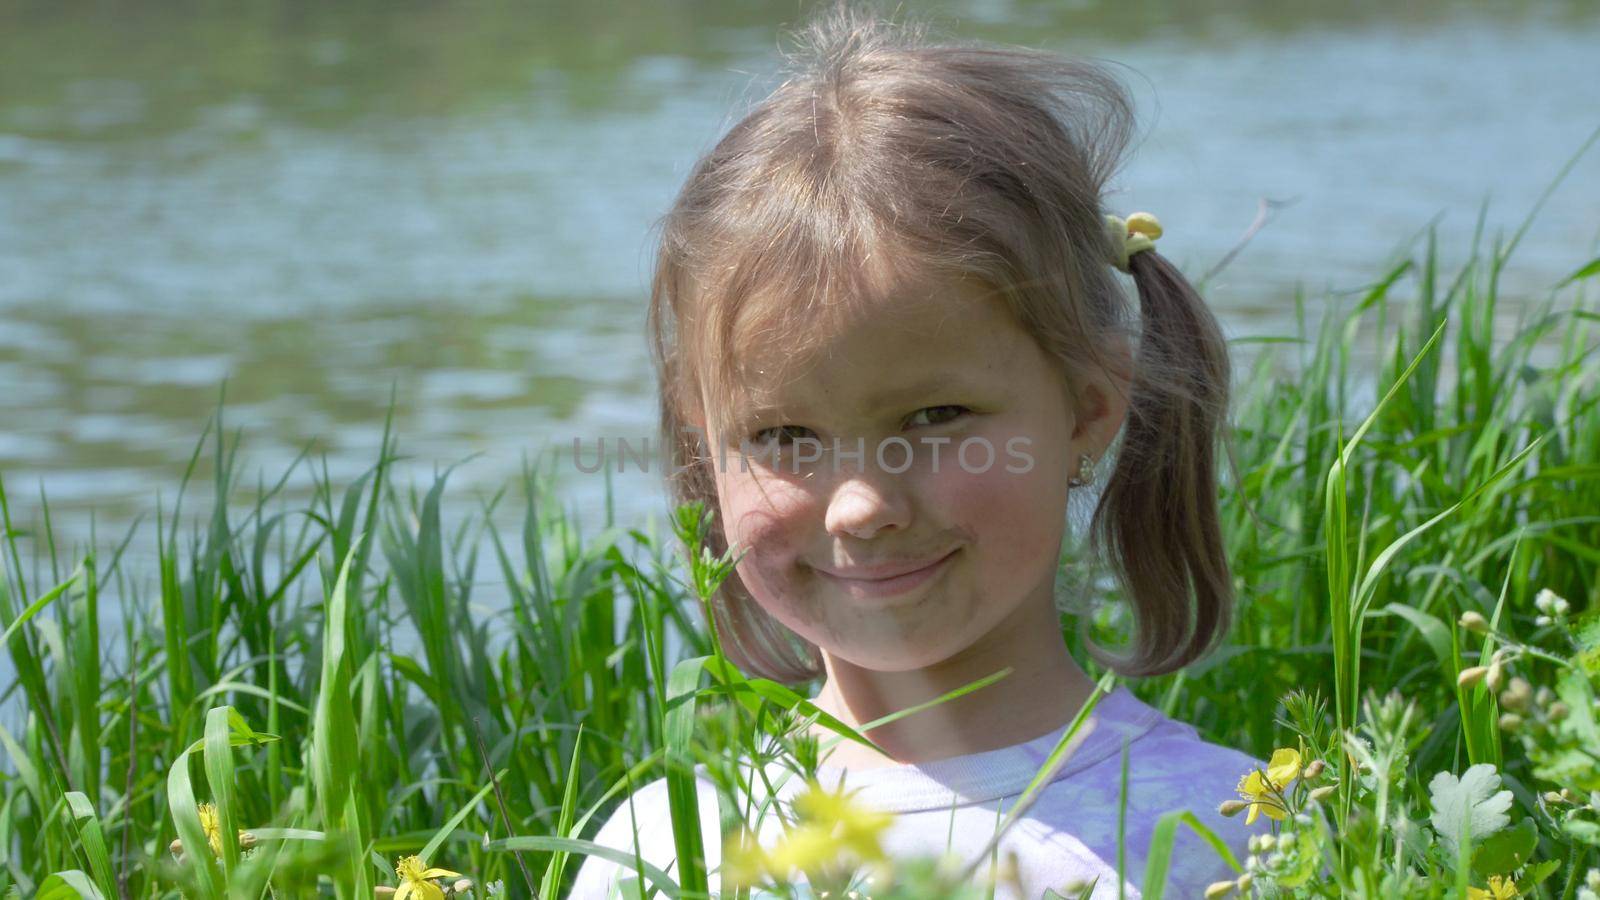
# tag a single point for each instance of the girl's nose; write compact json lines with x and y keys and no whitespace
{"x":862,"y":506}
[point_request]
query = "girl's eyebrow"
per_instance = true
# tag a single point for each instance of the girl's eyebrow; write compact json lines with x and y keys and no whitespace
{"x":922,"y":387}
{"x":876,"y":402}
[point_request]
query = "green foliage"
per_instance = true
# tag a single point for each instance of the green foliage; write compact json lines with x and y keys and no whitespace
{"x":1409,"y":460}
{"x":1469,"y":808}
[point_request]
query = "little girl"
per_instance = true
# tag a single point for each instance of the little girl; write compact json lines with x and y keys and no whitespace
{"x":892,"y":339}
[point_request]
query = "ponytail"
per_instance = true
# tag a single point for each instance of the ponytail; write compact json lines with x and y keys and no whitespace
{"x":1157,"y":520}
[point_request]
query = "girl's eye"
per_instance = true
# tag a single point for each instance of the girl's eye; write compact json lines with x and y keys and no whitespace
{"x":778,"y":434}
{"x":950,"y":411}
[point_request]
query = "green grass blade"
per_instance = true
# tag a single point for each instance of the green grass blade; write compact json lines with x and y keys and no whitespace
{"x":659,"y":880}
{"x":92,"y":838}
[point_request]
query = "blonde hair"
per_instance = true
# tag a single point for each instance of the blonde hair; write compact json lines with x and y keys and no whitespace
{"x":886,"y":158}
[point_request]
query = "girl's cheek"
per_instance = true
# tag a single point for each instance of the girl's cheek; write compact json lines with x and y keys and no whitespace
{"x":766,"y":519}
{"x":1014,"y":518}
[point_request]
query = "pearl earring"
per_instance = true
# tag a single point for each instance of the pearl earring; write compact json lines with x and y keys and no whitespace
{"x":1085,"y":471}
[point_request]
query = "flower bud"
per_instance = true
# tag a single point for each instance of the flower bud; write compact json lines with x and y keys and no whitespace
{"x":1245,"y":880}
{"x":247,"y":839}
{"x":1312,"y":771}
{"x":1548,"y":601}
{"x":176,"y":847}
{"x":1541,"y":621}
{"x":1503,"y":655}
{"x":1552,"y":797}
{"x":1517,"y":695}
{"x":1495,"y":675}
{"x":1218,"y":889}
{"x":1321,"y":793}
{"x":1267,"y":842}
{"x":1510,"y":721}
{"x":1471,"y":676}
{"x":1544,"y":696}
{"x":1558,"y":711}
{"x":1473,"y":621}
{"x":1232,"y":807}
{"x":462,"y":885}
{"x":383,"y":890}
{"x":1286,"y":840}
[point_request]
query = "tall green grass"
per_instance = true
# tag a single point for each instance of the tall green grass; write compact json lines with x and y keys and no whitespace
{"x":327,"y":678}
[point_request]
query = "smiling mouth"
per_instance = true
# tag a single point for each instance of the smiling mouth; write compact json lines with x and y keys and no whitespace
{"x":903,"y":582}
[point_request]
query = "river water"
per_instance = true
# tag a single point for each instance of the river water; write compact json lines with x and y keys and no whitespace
{"x":319,"y":202}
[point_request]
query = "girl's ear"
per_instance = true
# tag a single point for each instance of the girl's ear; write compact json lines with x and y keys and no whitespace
{"x":1102,"y":394}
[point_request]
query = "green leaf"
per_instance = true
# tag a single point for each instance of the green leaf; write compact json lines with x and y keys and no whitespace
{"x":1578,"y":693}
{"x":1583,"y":830}
{"x":1509,"y":849}
{"x":569,"y":800}
{"x":1537,"y":873}
{"x":1162,"y":839}
{"x":1566,"y":766}
{"x":186,"y":816}
{"x":333,"y":761}
{"x":24,"y":766}
{"x":287,"y":834}
{"x":682,"y":789}
{"x":1591,"y":268}
{"x":218,"y":759}
{"x":1433,"y":631}
{"x":69,"y":885}
{"x":659,"y":880}
{"x":455,"y":820}
{"x":33,"y":610}
{"x":1586,"y":635}
{"x":93,"y":840}
{"x":1471,"y":807}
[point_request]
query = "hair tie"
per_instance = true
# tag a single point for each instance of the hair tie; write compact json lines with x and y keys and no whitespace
{"x":1136,"y":233}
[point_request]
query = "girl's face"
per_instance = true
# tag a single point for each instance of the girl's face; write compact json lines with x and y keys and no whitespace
{"x":898,"y":570}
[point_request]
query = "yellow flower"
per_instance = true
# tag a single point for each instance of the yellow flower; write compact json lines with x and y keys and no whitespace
{"x":213,"y":829}
{"x":743,"y":867}
{"x":211,"y":825}
{"x":829,"y":825}
{"x":806,"y":847}
{"x":1262,"y":790}
{"x":856,"y":827}
{"x":1500,"y":888}
{"x":415,"y":879}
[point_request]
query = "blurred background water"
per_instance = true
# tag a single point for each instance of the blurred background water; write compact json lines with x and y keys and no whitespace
{"x":317,"y":202}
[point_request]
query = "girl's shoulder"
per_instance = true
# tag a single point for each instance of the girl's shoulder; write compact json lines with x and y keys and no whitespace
{"x":1171,"y":766}
{"x":1162,"y":748}
{"x":1173,"y":750}
{"x":1170,"y":769}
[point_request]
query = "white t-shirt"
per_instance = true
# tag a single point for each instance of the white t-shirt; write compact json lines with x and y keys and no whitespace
{"x":1069,"y":833}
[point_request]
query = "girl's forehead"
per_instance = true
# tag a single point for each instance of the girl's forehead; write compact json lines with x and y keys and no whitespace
{"x":778,"y":326}
{"x":953,"y":324}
